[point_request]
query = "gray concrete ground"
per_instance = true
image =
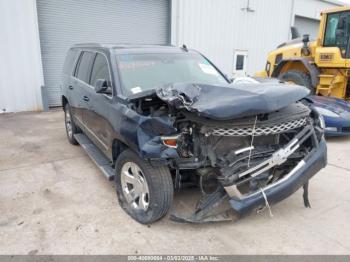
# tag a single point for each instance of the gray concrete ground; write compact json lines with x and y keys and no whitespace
{"x":53,"y":200}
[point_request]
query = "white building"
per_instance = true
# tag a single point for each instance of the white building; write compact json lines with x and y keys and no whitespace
{"x":235,"y":34}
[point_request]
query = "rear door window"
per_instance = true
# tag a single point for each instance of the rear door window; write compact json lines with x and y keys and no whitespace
{"x":84,"y":67}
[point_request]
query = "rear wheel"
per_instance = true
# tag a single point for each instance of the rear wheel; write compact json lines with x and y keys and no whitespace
{"x":71,"y":128}
{"x":299,"y":78}
{"x":144,"y":192}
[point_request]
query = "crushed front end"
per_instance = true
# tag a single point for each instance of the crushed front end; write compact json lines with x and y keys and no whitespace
{"x":250,"y":162}
{"x":245,"y":146}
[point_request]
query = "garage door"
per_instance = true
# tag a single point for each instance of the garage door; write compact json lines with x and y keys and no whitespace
{"x":66,"y":22}
{"x":307,"y":26}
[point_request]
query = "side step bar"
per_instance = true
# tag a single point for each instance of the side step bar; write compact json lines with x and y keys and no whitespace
{"x":96,"y":155}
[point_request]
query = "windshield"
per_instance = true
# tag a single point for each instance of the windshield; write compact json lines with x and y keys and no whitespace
{"x":338,"y":31}
{"x":140,"y":72}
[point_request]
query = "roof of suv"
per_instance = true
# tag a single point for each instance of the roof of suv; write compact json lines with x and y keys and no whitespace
{"x":131,"y":48}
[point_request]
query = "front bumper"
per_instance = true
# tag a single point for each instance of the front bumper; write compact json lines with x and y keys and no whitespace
{"x":336,"y":133}
{"x":306,"y":169}
{"x":337,"y":126}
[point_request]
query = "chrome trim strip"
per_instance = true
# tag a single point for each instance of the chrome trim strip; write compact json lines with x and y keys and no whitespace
{"x":260,"y":130}
{"x":277,"y":158}
{"x":240,"y":151}
{"x":169,"y":137}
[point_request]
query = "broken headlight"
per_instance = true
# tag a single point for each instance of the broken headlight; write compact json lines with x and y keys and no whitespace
{"x":170,"y":141}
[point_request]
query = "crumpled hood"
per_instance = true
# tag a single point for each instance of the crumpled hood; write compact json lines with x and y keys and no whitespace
{"x":232,"y":101}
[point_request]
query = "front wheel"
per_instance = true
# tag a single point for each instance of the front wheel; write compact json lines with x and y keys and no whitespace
{"x":144,"y":192}
{"x":299,"y":78}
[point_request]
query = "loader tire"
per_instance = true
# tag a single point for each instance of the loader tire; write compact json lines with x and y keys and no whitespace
{"x":298,"y":78}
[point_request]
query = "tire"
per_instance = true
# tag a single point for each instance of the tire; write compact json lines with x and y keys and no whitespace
{"x":71,"y":128}
{"x":148,"y":207}
{"x":299,"y":78}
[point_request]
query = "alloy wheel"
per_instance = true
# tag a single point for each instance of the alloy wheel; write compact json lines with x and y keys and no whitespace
{"x":69,"y":124}
{"x":134,"y":185}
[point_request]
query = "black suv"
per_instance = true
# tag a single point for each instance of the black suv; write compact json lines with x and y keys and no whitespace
{"x":158,"y":118}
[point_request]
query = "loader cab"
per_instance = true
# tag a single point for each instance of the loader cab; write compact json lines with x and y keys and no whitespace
{"x":324,"y":67}
{"x":337,"y":32}
{"x":333,"y":49}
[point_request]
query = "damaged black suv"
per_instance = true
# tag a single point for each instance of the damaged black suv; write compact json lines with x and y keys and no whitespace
{"x":155,"y":117}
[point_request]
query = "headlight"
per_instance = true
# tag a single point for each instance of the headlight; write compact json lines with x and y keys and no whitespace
{"x":326,"y":112}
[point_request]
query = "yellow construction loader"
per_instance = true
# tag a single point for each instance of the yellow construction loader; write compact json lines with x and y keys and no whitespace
{"x":322,"y":65}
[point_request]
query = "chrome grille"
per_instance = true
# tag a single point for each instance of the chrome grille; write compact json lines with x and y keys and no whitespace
{"x":259,"y":130}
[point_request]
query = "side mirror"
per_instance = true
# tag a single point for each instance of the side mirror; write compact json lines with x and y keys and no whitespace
{"x":101,"y":86}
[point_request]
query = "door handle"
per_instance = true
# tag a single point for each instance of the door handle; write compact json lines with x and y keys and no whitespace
{"x":71,"y":87}
{"x":85,"y":98}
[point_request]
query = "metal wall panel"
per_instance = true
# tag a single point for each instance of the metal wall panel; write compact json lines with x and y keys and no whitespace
{"x":66,"y":22}
{"x":312,"y":8}
{"x":307,"y":26}
{"x":219,"y":28}
{"x":20,"y":67}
